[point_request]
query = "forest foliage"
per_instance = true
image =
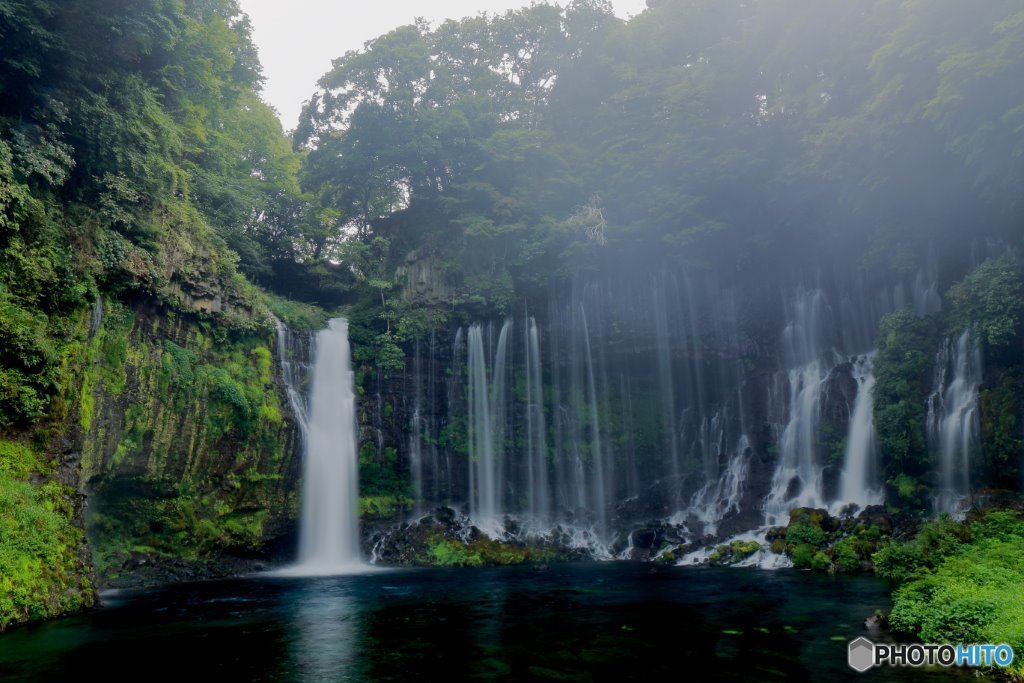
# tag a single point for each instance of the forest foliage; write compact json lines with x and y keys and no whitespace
{"x":138,"y":165}
{"x":511,"y":151}
{"x":504,"y":152}
{"x":961,"y":582}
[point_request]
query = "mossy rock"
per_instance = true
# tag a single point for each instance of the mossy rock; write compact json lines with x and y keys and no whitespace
{"x":733,"y":553}
{"x":449,"y":552}
{"x":815,"y":516}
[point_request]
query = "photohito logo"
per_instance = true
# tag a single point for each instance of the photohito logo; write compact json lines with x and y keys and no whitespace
{"x":863,"y":654}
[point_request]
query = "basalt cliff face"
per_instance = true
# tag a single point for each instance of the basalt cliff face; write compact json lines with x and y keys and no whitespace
{"x":170,"y":453}
{"x":188,"y":450}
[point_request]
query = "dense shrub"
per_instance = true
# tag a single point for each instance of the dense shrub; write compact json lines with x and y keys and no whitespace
{"x":935,"y":541}
{"x":963,"y":583}
{"x":990,"y":299}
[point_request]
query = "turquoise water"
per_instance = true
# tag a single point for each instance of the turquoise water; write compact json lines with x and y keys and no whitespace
{"x":572,"y":622}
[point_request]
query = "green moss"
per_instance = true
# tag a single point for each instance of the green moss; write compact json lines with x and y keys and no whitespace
{"x":449,"y":552}
{"x":294,"y":314}
{"x":270,"y":414}
{"x":225,"y":389}
{"x":177,"y":365}
{"x":203,"y":423}
{"x":87,"y":400}
{"x":133,"y":436}
{"x":452,"y":553}
{"x":379,"y":476}
{"x":383,"y":506}
{"x":113,"y":339}
{"x":735,"y":552}
{"x":909,"y":490}
{"x":168,"y":519}
{"x":17,"y":460}
{"x":812,"y":516}
{"x":40,"y":573}
{"x":264,"y":363}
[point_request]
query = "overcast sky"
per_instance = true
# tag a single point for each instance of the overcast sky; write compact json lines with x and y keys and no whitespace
{"x":298,"y":39}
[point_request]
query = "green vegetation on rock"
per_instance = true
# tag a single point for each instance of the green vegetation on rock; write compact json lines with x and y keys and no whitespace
{"x":449,"y":552}
{"x":961,"y":582}
{"x":41,"y":566}
{"x":186,"y":453}
{"x":814,"y":540}
{"x":990,"y":299}
{"x":906,"y":346}
{"x":733,"y":553}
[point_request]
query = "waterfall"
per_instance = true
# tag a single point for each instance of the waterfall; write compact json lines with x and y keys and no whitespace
{"x":926,"y":286}
{"x":720,"y":496}
{"x":797,"y":481}
{"x":329,"y":530}
{"x":599,"y":499}
{"x":665,"y":380}
{"x":456,"y":409}
{"x":287,"y":349}
{"x":97,"y":317}
{"x":487,"y":414}
{"x":425,"y":467}
{"x":536,"y":431}
{"x":953,"y":419}
{"x":659,"y":397}
{"x":856,"y":483}
{"x":416,"y":454}
{"x":416,"y":429}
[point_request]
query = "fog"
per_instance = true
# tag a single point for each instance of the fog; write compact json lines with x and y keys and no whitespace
{"x":297,"y":40}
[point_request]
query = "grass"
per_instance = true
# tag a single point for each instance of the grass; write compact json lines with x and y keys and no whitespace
{"x":295,"y":314}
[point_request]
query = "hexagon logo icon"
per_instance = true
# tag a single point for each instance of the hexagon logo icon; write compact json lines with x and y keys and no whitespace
{"x":861,"y":656}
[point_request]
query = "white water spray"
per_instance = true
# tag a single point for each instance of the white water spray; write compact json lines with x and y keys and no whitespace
{"x":856,"y":484}
{"x":329,"y":531}
{"x":486,"y":423}
{"x":953,"y":420}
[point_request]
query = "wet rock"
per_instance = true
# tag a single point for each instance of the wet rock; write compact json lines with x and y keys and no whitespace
{"x":147,"y":570}
{"x":733,"y":553}
{"x":818,"y":517}
{"x":876,"y":516}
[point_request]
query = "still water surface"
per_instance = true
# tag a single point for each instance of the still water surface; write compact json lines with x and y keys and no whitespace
{"x":574,"y":622}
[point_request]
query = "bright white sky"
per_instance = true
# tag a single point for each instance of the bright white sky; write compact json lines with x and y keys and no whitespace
{"x":298,"y":39}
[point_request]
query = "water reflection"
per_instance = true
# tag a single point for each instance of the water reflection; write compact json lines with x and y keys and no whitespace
{"x":322,"y":632}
